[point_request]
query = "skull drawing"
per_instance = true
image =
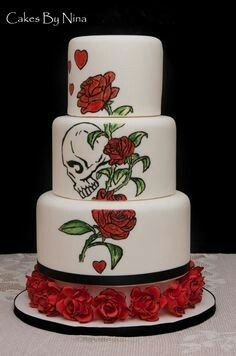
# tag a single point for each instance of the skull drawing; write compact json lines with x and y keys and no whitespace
{"x":80,"y":160}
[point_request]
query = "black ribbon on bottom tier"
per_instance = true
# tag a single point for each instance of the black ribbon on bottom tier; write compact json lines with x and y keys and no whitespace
{"x":135,"y":279}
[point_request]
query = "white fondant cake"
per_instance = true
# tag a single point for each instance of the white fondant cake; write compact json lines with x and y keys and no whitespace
{"x":114,"y":225}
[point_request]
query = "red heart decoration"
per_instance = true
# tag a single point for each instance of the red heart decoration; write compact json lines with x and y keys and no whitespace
{"x":99,"y":266}
{"x":81,"y":58}
{"x":71,"y":88}
{"x":69,"y":66}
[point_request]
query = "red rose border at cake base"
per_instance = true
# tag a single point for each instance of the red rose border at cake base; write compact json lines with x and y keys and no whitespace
{"x":110,"y":304}
{"x":128,"y":311}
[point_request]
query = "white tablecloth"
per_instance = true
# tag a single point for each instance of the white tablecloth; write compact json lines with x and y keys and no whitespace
{"x":216,"y":336}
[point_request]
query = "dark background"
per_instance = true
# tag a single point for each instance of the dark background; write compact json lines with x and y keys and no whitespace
{"x":34,"y":92}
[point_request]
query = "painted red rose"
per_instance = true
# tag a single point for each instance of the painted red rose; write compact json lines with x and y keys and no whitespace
{"x":193,"y":281}
{"x":102,"y":194}
{"x":118,"y":149}
{"x":147,"y":303}
{"x":75,"y":304}
{"x":95,"y":92}
{"x":177,"y":299}
{"x":111,"y":305}
{"x":48,"y":298}
{"x":115,"y":224}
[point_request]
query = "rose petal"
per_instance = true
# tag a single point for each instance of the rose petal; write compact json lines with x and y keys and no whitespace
{"x":94,"y":106}
{"x":107,"y":94}
{"x":110,"y":77}
{"x":114,"y":92}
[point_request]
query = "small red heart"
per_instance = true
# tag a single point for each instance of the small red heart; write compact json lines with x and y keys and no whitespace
{"x":71,"y":88}
{"x":81,"y":58}
{"x":99,"y":266}
{"x":69,"y":66}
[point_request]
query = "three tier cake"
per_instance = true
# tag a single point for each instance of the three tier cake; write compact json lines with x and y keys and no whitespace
{"x":113,"y":235}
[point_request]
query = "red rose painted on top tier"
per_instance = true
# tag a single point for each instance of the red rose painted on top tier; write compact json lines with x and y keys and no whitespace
{"x":102,"y":194}
{"x":115,"y":224}
{"x":146,"y":304}
{"x":118,"y":149}
{"x":96,"y":92}
{"x":111,"y":306}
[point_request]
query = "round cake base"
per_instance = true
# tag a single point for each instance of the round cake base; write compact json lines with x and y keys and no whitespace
{"x":133,"y":327}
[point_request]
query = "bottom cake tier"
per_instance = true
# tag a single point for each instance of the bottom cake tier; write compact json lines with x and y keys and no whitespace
{"x":113,"y":243}
{"x":122,"y":311}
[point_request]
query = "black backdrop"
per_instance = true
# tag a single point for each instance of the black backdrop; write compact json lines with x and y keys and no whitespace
{"x":34,"y":90}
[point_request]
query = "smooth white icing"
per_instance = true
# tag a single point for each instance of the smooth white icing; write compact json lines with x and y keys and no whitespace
{"x":159,"y":241}
{"x":159,"y":146}
{"x":137,"y":62}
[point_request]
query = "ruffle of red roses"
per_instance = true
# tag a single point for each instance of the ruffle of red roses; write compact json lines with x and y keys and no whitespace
{"x":95,"y":92}
{"x":185,"y":292}
{"x":102,"y":194}
{"x":119,"y":149}
{"x":110,"y":305}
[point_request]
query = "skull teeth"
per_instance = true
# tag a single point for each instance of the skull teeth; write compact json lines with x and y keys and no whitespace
{"x":88,"y":190}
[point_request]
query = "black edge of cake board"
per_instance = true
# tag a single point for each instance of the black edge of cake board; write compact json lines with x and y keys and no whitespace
{"x":115,"y":280}
{"x":126,"y":331}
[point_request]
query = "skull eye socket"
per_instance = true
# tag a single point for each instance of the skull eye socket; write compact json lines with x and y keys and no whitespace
{"x":76,"y":165}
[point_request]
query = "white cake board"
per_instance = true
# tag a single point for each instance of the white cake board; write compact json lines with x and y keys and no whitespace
{"x":130,"y":327}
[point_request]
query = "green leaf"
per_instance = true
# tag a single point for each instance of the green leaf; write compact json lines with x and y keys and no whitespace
{"x":123,"y":110}
{"x":116,"y":253}
{"x":76,"y":227}
{"x":132,"y":158}
{"x":136,"y":137}
{"x":93,"y":136}
{"x":110,"y":128}
{"x":120,"y":173}
{"x":145,"y":161}
{"x":140,"y":185}
{"x":105,"y":171}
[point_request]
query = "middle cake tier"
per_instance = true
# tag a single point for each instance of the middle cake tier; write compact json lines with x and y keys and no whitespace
{"x":113,"y":243}
{"x":114,"y":158}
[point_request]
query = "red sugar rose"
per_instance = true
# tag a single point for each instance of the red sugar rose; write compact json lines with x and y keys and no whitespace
{"x":193,"y":281}
{"x":111,"y":305}
{"x":95,"y":92}
{"x":102,"y":194}
{"x":118,"y":149}
{"x":35,"y":285}
{"x":177,"y":298}
{"x":115,"y":224}
{"x":48,"y":298}
{"x":147,"y":303}
{"x":75,"y":304}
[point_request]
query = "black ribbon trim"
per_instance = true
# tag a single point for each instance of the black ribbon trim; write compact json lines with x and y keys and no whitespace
{"x":115,"y":280}
{"x":117,"y":331}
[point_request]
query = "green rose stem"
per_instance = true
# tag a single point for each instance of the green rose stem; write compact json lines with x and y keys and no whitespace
{"x":108,"y":108}
{"x":109,"y":182}
{"x":87,"y":244}
{"x":126,"y":181}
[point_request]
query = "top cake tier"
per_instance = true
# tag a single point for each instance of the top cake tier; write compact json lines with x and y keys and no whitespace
{"x":115,"y":76}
